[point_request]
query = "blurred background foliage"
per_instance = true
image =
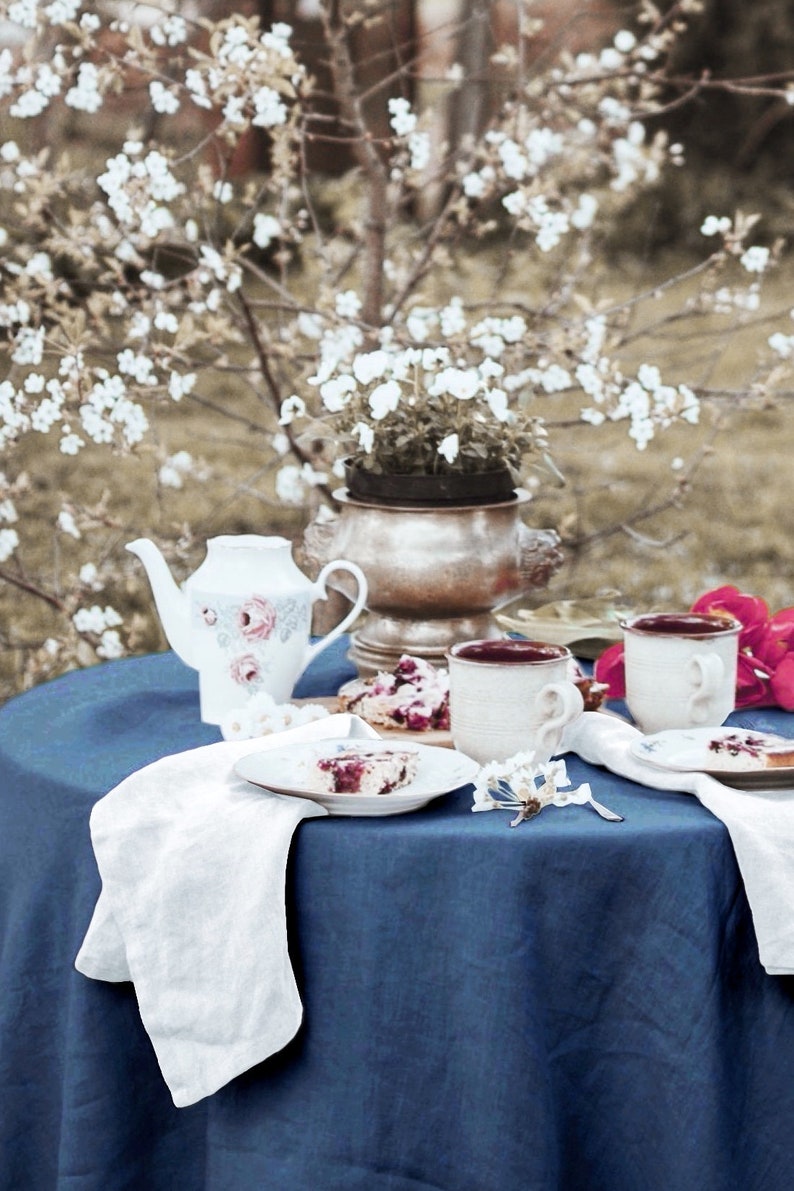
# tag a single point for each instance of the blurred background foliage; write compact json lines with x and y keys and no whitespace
{"x":729,"y":523}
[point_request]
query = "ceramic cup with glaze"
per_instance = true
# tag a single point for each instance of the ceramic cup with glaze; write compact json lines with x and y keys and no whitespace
{"x":680,"y":669}
{"x":510,"y":696}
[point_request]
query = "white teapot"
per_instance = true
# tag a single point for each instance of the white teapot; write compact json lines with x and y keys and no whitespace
{"x":243,"y":619}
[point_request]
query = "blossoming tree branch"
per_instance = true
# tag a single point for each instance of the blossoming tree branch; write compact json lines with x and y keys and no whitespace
{"x":143,"y":270}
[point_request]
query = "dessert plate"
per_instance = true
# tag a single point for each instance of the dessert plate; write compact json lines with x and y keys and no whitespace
{"x":286,"y":771}
{"x":587,"y":626}
{"x":687,"y":751}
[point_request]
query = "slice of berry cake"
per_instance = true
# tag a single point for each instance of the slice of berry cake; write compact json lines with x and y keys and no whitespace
{"x":415,"y":696}
{"x":737,"y":752}
{"x":364,"y":771}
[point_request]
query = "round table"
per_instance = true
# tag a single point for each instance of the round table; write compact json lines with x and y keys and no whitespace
{"x":573,"y":1004}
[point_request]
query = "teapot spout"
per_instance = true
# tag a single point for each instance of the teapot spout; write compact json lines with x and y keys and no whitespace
{"x":172,"y":604}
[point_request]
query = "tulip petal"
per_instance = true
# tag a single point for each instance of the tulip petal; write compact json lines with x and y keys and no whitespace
{"x":752,"y":682}
{"x":751,"y":610}
{"x":782,"y":683}
{"x":610,"y":669}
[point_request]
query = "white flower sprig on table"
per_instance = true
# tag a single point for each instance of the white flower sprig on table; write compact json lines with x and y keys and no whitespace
{"x":262,"y":716}
{"x":525,"y":785}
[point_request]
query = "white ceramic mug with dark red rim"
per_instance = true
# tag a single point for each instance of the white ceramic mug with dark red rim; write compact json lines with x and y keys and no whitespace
{"x":510,"y":696}
{"x":680,"y":669}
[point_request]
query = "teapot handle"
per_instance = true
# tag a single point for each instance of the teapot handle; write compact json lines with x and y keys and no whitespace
{"x":336,"y":564}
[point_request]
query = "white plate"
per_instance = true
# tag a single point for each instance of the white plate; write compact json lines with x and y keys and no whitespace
{"x":439,"y":771}
{"x":588,"y":626}
{"x":687,"y":751}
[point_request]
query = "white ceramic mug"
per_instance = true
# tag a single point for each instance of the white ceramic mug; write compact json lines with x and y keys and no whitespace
{"x":680,"y":669}
{"x":510,"y":696}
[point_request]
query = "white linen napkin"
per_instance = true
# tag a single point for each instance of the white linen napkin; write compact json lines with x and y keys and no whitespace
{"x":192,"y":907}
{"x":760,"y":824}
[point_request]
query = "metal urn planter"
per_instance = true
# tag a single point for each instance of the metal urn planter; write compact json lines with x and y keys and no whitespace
{"x":436,"y":573}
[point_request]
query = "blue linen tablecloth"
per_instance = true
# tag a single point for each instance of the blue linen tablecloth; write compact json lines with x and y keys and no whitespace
{"x":570,"y":1005}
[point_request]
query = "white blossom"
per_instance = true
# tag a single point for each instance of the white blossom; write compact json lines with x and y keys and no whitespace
{"x":171,"y":30}
{"x":45,"y":415}
{"x":269,"y":107}
{"x":89,"y":576}
{"x":197,"y":86}
{"x":463,"y":383}
{"x":384,"y":399}
{"x":782,"y":345}
{"x":29,"y":346}
{"x":60,"y":11}
{"x":348,"y":304}
{"x":498,"y":404}
{"x":292,"y":407}
{"x":369,"y":366}
{"x":402,"y":120}
{"x":173,"y":471}
{"x":419,"y":148}
{"x":309,"y":324}
{"x":29,"y":104}
{"x":179,"y":384}
{"x":136,"y":365}
{"x":85,"y":96}
{"x":475,"y":185}
{"x":755,"y":259}
{"x":233,"y":110}
{"x":110,"y":645}
{"x":166,"y":320}
{"x":449,"y":447}
{"x":420,"y":323}
{"x":223,"y":192}
{"x":24,"y":13}
{"x":336,"y":392}
{"x":289,"y":485}
{"x":452,"y":318}
{"x":610,"y":58}
{"x":67,"y":524}
{"x":163,"y":100}
{"x":714,"y":225}
{"x":96,"y":619}
{"x":9,"y":540}
{"x":585,"y":212}
{"x":266,"y":229}
{"x":365,"y":435}
{"x":70,"y":443}
{"x":625,"y":41}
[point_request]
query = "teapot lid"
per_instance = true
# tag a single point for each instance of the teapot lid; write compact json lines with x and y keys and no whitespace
{"x":248,"y":541}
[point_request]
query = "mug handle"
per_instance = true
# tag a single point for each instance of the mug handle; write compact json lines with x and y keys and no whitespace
{"x":705,"y":674}
{"x":556,"y":704}
{"x":320,"y":593}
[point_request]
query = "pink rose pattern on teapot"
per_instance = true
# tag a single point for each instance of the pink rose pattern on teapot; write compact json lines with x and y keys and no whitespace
{"x":242,"y":631}
{"x":256,"y":618}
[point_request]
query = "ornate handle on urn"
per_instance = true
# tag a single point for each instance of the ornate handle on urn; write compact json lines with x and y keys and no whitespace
{"x":540,"y":556}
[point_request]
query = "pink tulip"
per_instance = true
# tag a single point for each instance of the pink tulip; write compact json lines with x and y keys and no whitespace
{"x":751,"y":610}
{"x":765,"y":667}
{"x":752,"y":682}
{"x":610,"y":669}
{"x":778,"y":638}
